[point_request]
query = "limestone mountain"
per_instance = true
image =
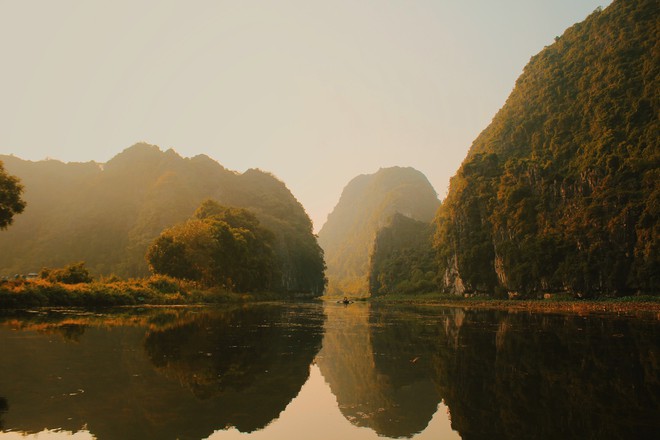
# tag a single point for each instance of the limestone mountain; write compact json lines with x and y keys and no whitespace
{"x":561,"y":192}
{"x":108,"y":214}
{"x":367,"y":204}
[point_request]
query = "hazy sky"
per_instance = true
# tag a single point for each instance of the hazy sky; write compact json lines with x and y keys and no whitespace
{"x":315,"y":92}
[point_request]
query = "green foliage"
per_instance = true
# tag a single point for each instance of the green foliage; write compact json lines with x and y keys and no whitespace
{"x":169,"y":256}
{"x":111,"y":291}
{"x":220,"y":246}
{"x":11,"y":202}
{"x":164,"y":284}
{"x":403,"y":259}
{"x":560,"y":192}
{"x":72,"y":274}
{"x":461,"y":221}
{"x":367,"y":203}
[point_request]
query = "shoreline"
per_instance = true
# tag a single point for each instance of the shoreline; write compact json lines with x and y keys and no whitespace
{"x":624,"y":305}
{"x":164,"y":291}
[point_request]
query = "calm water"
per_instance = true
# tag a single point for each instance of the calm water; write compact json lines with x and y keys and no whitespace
{"x":327,"y":371}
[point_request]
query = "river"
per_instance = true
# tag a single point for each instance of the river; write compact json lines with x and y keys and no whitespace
{"x":327,"y":371}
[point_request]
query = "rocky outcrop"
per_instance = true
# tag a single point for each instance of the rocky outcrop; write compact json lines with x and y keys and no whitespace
{"x":560,"y":193}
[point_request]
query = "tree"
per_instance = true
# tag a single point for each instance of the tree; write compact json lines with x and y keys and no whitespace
{"x":11,"y":202}
{"x":220,"y":246}
{"x":167,"y":256}
{"x":72,"y":274}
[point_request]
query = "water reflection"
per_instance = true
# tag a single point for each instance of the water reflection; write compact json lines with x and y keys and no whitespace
{"x":379,"y":365}
{"x":214,"y":368}
{"x":382,"y":371}
{"x":502,"y":375}
{"x":546,"y":376}
{"x":250,"y":361}
{"x":4,"y":406}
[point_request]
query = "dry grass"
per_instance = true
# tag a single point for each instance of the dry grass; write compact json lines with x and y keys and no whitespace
{"x":647,"y":305}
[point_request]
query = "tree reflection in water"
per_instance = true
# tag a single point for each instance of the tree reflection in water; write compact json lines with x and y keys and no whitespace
{"x":379,"y":365}
{"x":4,"y":406}
{"x":250,"y":361}
{"x":186,"y":372}
{"x":172,"y":373}
{"x":502,"y":375}
{"x":523,"y":375}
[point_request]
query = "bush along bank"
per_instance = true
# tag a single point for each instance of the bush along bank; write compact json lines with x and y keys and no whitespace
{"x":155,"y":290}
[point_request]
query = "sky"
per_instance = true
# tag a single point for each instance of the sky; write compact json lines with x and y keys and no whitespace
{"x":315,"y":92}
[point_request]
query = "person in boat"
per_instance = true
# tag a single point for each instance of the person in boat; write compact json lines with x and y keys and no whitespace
{"x":345,"y":300}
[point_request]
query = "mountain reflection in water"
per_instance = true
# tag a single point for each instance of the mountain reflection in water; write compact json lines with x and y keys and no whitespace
{"x":163,"y":374}
{"x":328,"y":371}
{"x":378,"y":364}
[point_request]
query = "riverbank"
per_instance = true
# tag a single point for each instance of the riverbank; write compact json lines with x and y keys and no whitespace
{"x":621,"y":305}
{"x":155,"y":290}
{"x":161,"y":290}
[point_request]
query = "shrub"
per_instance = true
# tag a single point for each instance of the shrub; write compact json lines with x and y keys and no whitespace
{"x":72,"y":274}
{"x":163,"y":284}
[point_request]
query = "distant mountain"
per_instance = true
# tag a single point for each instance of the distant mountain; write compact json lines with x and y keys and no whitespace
{"x":108,"y":214}
{"x":367,"y":204}
{"x":561,"y":192}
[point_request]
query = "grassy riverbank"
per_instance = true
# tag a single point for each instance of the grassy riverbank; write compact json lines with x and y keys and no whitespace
{"x":155,"y":290}
{"x":556,"y":304}
{"x":161,"y":290}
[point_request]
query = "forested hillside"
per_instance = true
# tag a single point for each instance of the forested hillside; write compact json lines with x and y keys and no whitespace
{"x":561,"y":192}
{"x":367,"y":204}
{"x":403,"y":259}
{"x":108,"y":214}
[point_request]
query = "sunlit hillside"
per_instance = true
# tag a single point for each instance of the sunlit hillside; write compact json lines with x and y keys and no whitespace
{"x":561,"y":192}
{"x":108,"y":214}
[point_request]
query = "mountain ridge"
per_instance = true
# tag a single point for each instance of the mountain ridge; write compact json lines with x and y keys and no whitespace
{"x":108,"y":214}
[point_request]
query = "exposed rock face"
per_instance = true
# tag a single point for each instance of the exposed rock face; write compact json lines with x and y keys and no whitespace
{"x":561,"y":192}
{"x":367,"y":204}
